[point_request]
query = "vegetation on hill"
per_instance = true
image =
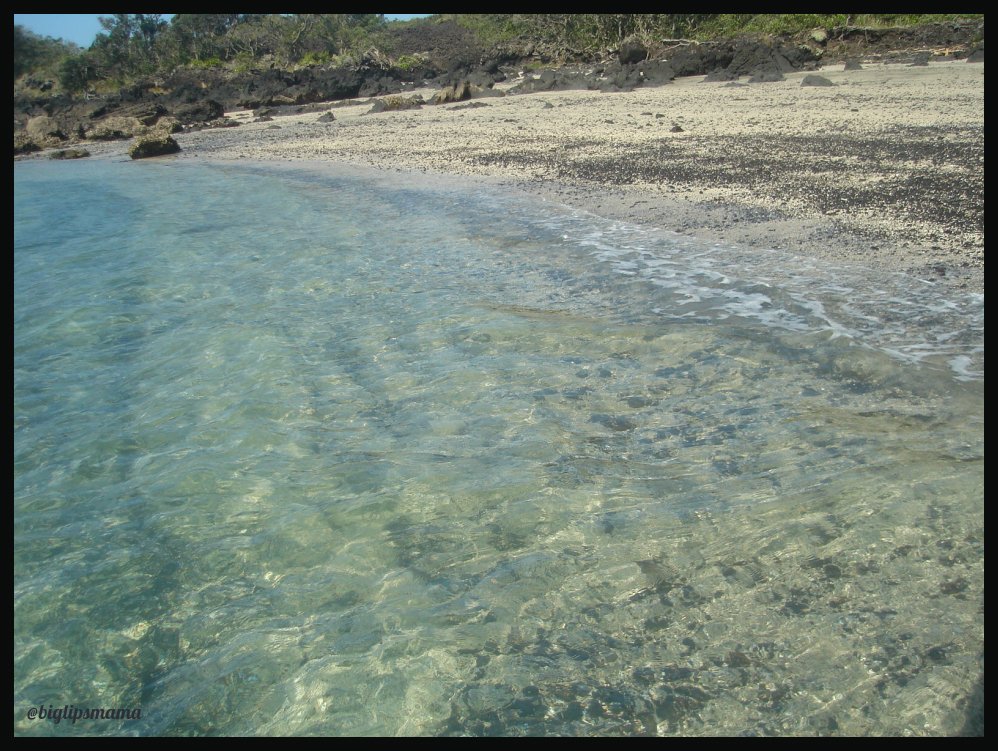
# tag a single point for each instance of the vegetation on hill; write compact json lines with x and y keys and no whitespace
{"x":132,"y":46}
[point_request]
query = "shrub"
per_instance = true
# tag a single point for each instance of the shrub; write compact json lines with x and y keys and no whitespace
{"x":208,"y":62}
{"x":408,"y":62}
{"x":315,"y":58}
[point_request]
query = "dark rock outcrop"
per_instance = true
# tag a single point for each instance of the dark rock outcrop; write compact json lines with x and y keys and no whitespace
{"x":767,"y":75}
{"x":630,"y":77}
{"x":609,"y":77}
{"x":379,"y":86}
{"x":451,"y":57}
{"x":720,"y":74}
{"x":113,"y":128}
{"x":654,"y":72}
{"x":632,"y":50}
{"x":727,"y":61}
{"x":199,"y":112}
{"x":146,"y":113}
{"x":702,"y":59}
{"x":552,"y":80}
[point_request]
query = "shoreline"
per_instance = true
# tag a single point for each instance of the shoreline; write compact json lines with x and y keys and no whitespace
{"x":882,"y":169}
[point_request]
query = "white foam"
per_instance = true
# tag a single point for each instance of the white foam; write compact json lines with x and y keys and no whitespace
{"x":912,"y":321}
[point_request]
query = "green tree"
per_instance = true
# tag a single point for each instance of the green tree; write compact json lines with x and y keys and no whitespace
{"x":37,"y":54}
{"x":77,"y":72}
{"x":128,"y":45}
{"x":197,"y":36}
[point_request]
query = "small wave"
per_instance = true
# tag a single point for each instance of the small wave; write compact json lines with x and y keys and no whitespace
{"x":910,"y":319}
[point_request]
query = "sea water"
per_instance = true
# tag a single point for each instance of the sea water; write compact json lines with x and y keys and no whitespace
{"x":333,"y":453}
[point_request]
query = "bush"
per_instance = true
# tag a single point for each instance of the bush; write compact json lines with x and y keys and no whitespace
{"x":315,"y":58}
{"x":76,"y":73}
{"x":208,"y":62}
{"x":408,"y":62}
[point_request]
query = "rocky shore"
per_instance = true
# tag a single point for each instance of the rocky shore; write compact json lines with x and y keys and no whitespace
{"x":881,"y":166}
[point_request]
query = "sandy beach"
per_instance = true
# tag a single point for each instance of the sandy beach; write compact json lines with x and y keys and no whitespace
{"x":884,"y":167}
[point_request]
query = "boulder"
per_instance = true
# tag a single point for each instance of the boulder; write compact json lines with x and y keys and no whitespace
{"x":44,"y":129}
{"x":114,"y":128}
{"x":812,"y":80}
{"x":702,"y":59}
{"x":69,"y":154}
{"x":392,"y":103}
{"x":168,"y":124}
{"x":751,"y":58}
{"x":154,"y":144}
{"x":455,"y":93}
{"x":24,"y":144}
{"x":146,"y":113}
{"x":655,"y":73}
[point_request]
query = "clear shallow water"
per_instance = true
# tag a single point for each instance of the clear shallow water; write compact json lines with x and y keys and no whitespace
{"x":325,"y":454}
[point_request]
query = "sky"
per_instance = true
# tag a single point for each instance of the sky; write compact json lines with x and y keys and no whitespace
{"x":81,"y":28}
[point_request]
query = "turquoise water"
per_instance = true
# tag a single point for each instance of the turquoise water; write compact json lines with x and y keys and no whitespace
{"x":338,"y":453}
